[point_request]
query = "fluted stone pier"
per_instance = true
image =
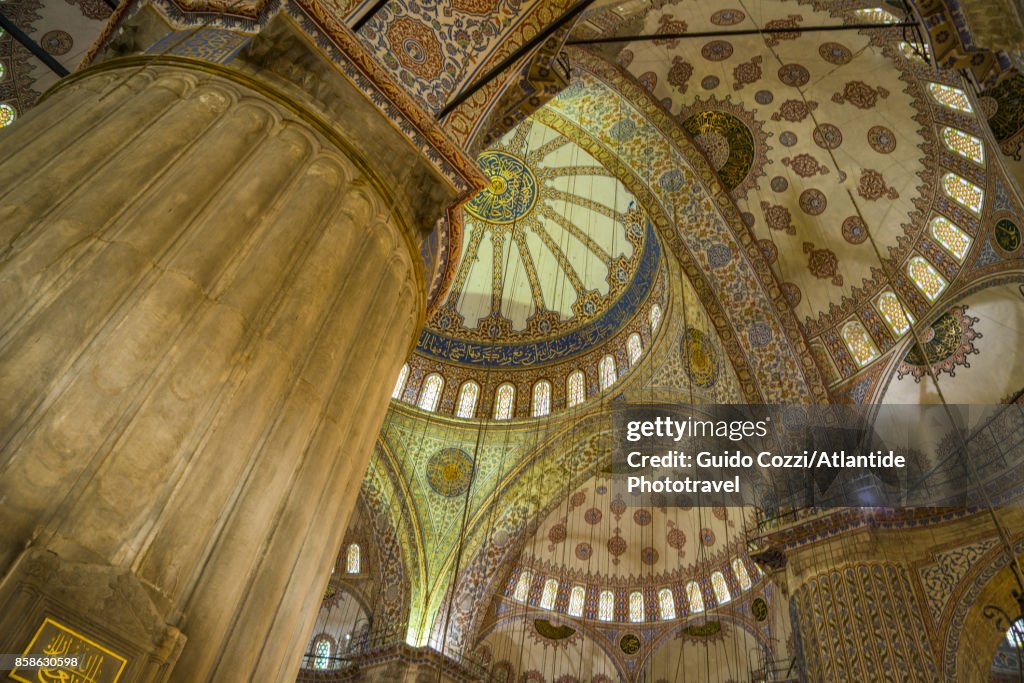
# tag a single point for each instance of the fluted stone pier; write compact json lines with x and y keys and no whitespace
{"x":205,"y":296}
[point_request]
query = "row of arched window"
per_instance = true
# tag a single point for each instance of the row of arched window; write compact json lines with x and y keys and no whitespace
{"x":667,"y":605}
{"x":945,"y":232}
{"x":608,"y":374}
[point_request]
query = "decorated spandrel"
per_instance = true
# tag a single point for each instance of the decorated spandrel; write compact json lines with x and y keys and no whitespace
{"x":666,"y":604}
{"x":69,"y":657}
{"x":575,"y":389}
{"x":926,"y":277}
{"x":967,"y":193}
{"x":896,"y":317}
{"x":955,"y":240}
{"x":634,"y":347}
{"x":541,"y":398}
{"x":468,"y":395}
{"x":720,"y":587}
{"x":695,"y":598}
{"x":951,"y":97}
{"x":636,"y":607}
{"x":964,"y":144}
{"x":859,"y":343}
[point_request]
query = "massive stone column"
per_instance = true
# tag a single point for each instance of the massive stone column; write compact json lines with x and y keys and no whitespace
{"x":206,"y":293}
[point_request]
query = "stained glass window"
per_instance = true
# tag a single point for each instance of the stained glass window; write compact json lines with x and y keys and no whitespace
{"x":541,"y":398}
{"x":634,"y":347}
{"x":430,"y":392}
{"x":636,"y":607}
{"x":859,"y":342}
{"x":468,"y":395}
{"x":1015,"y":634}
{"x":739,"y":570}
{"x":7,"y":115}
{"x":964,"y":144}
{"x":547,"y":596}
{"x":666,"y":604}
{"x":503,"y":400}
{"x":914,"y":50}
{"x":695,"y":597}
{"x":352,"y":559}
{"x":926,"y":277}
{"x":951,"y":237}
{"x":968,"y":194}
{"x":322,"y":650}
{"x":876,"y":15}
{"x":575,"y":389}
{"x":655,"y":317}
{"x":605,"y":606}
{"x":400,"y":384}
{"x":720,"y":587}
{"x":951,"y":97}
{"x":895,"y":315}
{"x":606,"y":372}
{"x":522,"y":590}
{"x":576,"y":597}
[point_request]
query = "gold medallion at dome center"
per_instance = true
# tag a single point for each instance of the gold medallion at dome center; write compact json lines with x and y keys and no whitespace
{"x":512,"y":192}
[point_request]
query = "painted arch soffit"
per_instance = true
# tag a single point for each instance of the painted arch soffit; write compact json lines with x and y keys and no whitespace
{"x":719,"y":253}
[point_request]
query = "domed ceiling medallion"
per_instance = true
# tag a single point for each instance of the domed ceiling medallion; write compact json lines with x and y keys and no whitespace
{"x":512,"y":192}
{"x":732,"y":140}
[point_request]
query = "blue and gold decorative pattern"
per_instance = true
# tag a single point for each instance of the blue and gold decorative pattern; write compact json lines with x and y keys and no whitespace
{"x":450,"y":472}
{"x":556,"y":348}
{"x":512,"y":192}
{"x":214,"y":45}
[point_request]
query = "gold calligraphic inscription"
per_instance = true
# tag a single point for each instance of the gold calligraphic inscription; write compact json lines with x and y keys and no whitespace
{"x":58,"y":654}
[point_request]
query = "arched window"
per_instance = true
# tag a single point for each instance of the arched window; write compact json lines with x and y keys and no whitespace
{"x":666,"y":604}
{"x":951,"y":97}
{"x":575,"y":389}
{"x":7,"y":115}
{"x":352,"y":559}
{"x":720,"y":587}
{"x":964,"y":144}
{"x":635,"y":348}
{"x":547,"y":596}
{"x":576,"y":597}
{"x":504,"y":397}
{"x":695,"y":597}
{"x":636,"y":607}
{"x":655,"y":316}
{"x":322,"y":653}
{"x":968,"y":194}
{"x":541,"y":398}
{"x":606,"y":372}
{"x":895,"y":315}
{"x":522,"y":590}
{"x":739,"y":570}
{"x":468,"y":394}
{"x":876,"y":15}
{"x":859,"y":343}
{"x":1015,"y":634}
{"x":400,"y":384}
{"x":926,"y":277}
{"x":430,"y":392}
{"x":955,"y":240}
{"x":606,"y":606}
